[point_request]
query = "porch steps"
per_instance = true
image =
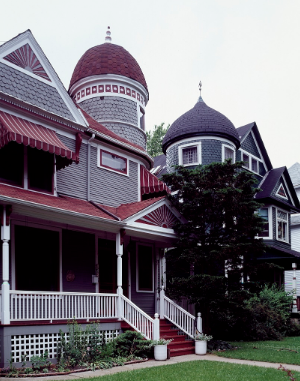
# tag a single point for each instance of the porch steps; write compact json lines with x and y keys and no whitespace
{"x":180,"y":345}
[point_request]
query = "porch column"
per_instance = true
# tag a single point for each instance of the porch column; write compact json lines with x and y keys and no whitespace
{"x":162,"y":286}
{"x":5,"y":237}
{"x":294,"y":308}
{"x":119,"y":252}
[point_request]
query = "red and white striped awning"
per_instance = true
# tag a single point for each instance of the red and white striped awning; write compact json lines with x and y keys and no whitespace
{"x":13,"y":128}
{"x":151,"y":184}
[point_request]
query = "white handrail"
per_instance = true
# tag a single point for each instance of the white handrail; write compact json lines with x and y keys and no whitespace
{"x":139,"y":320}
{"x":40,"y":305}
{"x":179,"y":317}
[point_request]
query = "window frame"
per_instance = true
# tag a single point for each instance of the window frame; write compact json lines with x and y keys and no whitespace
{"x":252,"y":157}
{"x":100,"y":150}
{"x":280,"y":195}
{"x":224,"y":146}
{"x":287,"y":240}
{"x":190,"y":145}
{"x":269,"y":210}
{"x":137,"y":268}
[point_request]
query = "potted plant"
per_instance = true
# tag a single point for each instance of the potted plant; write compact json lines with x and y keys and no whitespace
{"x":201,"y":340}
{"x":161,"y":349}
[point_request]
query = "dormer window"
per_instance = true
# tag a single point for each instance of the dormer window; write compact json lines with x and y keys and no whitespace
{"x":228,"y":153}
{"x":254,"y":165}
{"x":245,"y":159}
{"x":113,"y":162}
{"x":190,"y":154}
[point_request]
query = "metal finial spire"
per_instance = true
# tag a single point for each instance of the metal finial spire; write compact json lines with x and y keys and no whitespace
{"x":107,"y":37}
{"x":200,"y":88}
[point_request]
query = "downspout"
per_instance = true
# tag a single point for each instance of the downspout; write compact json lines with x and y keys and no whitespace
{"x":89,"y":167}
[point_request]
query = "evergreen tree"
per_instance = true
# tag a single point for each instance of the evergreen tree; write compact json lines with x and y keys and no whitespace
{"x":221,"y":227}
{"x":155,"y":138}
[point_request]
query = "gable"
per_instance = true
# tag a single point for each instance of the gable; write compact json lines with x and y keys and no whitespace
{"x":281,"y":191}
{"x":250,"y":146}
{"x":27,"y":75}
{"x":162,"y":217}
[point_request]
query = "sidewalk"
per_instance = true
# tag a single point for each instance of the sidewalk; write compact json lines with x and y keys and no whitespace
{"x":151,"y":363}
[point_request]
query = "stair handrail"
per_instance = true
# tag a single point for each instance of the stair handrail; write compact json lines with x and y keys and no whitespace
{"x":179,"y":317}
{"x":139,"y":320}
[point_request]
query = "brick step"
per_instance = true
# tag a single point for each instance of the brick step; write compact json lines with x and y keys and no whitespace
{"x":181,"y":344}
{"x":175,"y":338}
{"x":182,"y":351}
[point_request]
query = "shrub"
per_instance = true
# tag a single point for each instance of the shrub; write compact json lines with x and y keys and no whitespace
{"x":132,"y":344}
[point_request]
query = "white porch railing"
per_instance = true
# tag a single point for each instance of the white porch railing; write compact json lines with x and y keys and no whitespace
{"x":35,"y":305}
{"x":181,"y":318}
{"x":139,"y":320}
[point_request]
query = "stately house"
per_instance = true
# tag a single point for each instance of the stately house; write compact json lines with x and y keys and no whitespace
{"x":84,"y":220}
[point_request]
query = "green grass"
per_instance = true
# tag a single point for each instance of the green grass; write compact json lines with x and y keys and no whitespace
{"x":286,"y":351}
{"x":200,"y":371}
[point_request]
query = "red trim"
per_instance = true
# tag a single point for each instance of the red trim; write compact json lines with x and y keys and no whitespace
{"x":107,"y":166}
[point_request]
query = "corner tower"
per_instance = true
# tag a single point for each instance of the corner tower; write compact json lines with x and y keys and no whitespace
{"x":110,"y":86}
{"x":200,"y":136}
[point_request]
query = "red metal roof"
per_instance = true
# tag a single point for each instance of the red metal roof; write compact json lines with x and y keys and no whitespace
{"x":151,"y":184}
{"x":108,"y":59}
{"x":13,"y":128}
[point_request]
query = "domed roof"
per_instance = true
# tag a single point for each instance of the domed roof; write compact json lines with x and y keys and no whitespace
{"x":108,"y":58}
{"x":201,"y":120}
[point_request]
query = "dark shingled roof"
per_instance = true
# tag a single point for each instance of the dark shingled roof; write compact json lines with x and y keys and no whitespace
{"x":108,"y":59}
{"x":243,"y":130}
{"x":201,"y":120}
{"x":268,"y":184}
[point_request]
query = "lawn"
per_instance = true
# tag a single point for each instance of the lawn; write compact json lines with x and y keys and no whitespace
{"x":200,"y":371}
{"x":286,"y":351}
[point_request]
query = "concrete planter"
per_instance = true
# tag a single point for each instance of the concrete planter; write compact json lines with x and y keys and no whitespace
{"x":160,"y":352}
{"x":200,"y":347}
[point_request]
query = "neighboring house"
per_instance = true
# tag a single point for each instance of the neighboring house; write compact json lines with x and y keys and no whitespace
{"x":203,"y":136}
{"x":84,"y":223}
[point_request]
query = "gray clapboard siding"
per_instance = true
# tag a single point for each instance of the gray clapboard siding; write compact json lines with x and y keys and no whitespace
{"x":72,"y":180}
{"x":111,"y":188}
{"x":295,"y":233}
{"x":288,"y":281}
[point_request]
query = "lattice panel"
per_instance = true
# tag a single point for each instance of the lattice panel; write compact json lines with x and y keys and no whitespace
{"x":25,"y":58}
{"x":161,"y":216}
{"x":36,"y":344}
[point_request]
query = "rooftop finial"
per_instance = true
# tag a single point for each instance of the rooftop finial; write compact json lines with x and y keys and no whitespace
{"x":200,"y":88}
{"x":107,"y":37}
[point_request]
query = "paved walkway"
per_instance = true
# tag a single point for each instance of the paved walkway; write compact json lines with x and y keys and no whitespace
{"x":151,"y":363}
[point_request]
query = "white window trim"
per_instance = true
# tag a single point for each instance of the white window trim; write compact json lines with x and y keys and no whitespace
{"x":137,"y":267}
{"x":287,"y":226}
{"x":279,"y":195}
{"x":190,"y":145}
{"x":250,"y":161}
{"x":270,"y":236}
{"x":103,"y":148}
{"x":223,"y":152}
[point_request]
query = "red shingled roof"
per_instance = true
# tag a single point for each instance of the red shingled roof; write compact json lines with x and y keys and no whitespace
{"x":104,"y":130}
{"x":126,"y":210}
{"x":108,"y":59}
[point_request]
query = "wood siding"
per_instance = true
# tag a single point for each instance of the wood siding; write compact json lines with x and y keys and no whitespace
{"x":72,"y":180}
{"x":295,"y":232}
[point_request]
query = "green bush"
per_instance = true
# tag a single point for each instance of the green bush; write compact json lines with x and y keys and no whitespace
{"x":132,"y":344}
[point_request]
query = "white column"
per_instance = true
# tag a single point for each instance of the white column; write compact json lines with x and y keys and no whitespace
{"x":5,"y":237}
{"x":199,"y":322}
{"x":156,"y":333}
{"x":294,"y":309}
{"x":119,"y":252}
{"x":162,"y":287}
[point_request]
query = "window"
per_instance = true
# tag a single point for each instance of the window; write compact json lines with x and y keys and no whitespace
{"x":228,"y":153}
{"x":282,"y":226}
{"x":254,"y":165}
{"x":189,"y":154}
{"x":40,"y":170}
{"x":12,"y":164}
{"x":144,"y":269}
{"x":112,"y":161}
{"x":245,"y":159}
{"x":281,"y":192}
{"x":142,"y":119}
{"x":263,"y":212}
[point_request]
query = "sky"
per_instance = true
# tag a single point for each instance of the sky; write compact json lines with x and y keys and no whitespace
{"x":246,"y":54}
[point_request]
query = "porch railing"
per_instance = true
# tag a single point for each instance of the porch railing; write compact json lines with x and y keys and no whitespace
{"x":180,"y":317}
{"x":31,"y":305}
{"x":139,"y":320}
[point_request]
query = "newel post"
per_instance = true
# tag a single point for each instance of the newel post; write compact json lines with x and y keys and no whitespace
{"x":5,"y":237}
{"x":119,"y":252}
{"x":156,"y":327}
{"x":199,"y":322}
{"x":294,"y":309}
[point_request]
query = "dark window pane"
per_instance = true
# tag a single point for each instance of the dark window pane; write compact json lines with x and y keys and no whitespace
{"x":189,"y":155}
{"x":113,"y":161}
{"x":145,"y":268}
{"x":40,"y":170}
{"x":12,"y":163}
